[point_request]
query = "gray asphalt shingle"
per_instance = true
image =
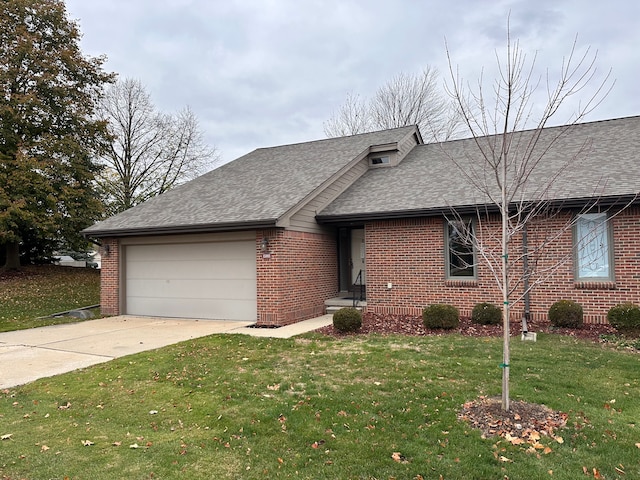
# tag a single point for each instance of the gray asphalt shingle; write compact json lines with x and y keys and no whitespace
{"x":592,"y":159}
{"x":256,"y":188}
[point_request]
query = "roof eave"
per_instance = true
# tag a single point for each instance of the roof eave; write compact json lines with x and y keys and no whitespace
{"x":181,"y":229}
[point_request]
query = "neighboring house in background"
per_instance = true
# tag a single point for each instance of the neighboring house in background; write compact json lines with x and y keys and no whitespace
{"x":274,"y":234}
{"x":93,"y":260}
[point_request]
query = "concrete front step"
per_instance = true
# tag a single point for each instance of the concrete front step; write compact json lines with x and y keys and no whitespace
{"x":333,"y":309}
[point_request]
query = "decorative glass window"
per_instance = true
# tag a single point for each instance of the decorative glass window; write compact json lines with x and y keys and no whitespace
{"x":592,"y":239}
{"x":460,"y":255}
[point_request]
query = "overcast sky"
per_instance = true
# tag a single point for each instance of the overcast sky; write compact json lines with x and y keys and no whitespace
{"x":260,"y":73}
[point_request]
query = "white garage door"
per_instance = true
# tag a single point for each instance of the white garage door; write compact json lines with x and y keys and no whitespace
{"x":214,"y":280}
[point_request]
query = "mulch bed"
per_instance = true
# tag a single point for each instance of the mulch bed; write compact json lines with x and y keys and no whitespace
{"x":411,"y":325}
{"x":525,"y":423}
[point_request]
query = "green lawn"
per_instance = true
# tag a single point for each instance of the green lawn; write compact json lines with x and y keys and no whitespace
{"x":316,"y":407}
{"x":36,"y":291}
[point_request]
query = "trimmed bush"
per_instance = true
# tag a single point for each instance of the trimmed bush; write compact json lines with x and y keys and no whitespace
{"x":566,"y":313}
{"x":625,"y":317}
{"x":486,"y":314}
{"x":441,"y":316}
{"x":347,"y":319}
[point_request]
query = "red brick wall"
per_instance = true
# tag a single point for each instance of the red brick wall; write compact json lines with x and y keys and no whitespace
{"x":299,"y":275}
{"x":110,"y":277}
{"x":410,"y":254}
{"x":596,"y":298}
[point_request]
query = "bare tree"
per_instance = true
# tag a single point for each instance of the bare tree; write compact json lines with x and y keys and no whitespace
{"x":150,"y":152}
{"x":352,"y":118}
{"x":508,"y":168}
{"x":404,"y":100}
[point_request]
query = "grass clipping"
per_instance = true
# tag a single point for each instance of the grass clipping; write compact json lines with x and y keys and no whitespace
{"x":524,"y":424}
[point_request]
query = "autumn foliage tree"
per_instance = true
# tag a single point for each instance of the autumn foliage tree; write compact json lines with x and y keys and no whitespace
{"x":48,"y":131}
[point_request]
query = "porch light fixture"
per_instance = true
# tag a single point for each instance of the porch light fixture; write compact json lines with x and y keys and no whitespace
{"x":264,"y":246}
{"x":107,"y":250}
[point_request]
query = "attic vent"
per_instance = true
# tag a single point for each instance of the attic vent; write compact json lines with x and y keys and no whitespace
{"x":385,"y":160}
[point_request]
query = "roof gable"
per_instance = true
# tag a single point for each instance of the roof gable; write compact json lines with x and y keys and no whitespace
{"x":252,"y":191}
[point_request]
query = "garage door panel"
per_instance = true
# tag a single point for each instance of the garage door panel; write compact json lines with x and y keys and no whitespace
{"x":195,"y":270}
{"x":194,"y":251}
{"x":215,"y":280}
{"x":208,"y":308}
{"x":238,"y":289}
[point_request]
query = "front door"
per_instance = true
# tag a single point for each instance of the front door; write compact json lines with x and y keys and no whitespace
{"x":358,"y":270}
{"x":351,"y":250}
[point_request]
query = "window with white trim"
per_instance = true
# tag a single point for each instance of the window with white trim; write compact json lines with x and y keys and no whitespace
{"x":594,"y":248}
{"x":460,"y":257}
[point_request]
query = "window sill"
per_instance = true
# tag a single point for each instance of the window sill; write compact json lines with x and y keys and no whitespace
{"x":471,"y":282}
{"x":595,"y":285}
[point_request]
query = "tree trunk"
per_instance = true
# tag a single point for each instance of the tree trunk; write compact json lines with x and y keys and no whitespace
{"x":12,"y":262}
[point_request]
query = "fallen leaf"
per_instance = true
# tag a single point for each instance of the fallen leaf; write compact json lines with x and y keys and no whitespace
{"x":280,"y":460}
{"x":314,"y":445}
{"x":533,"y":435}
{"x":87,"y":443}
{"x":116,"y":444}
{"x":559,"y":439}
{"x":619,"y":470}
{"x":44,"y":448}
{"x":505,"y":459}
{"x":547,"y":450}
{"x":135,"y":445}
{"x":596,"y":474}
{"x":397,"y":456}
{"x":9,"y":435}
{"x":637,"y":444}
{"x":585,"y":470}
{"x":153,"y":412}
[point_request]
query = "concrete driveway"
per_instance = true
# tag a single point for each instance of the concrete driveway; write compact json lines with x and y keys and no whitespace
{"x":27,"y":355}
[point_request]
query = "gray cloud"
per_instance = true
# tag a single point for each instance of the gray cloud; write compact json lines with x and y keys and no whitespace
{"x":261,"y":73}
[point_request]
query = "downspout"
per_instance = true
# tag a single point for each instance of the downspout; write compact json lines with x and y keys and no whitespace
{"x":525,"y":266}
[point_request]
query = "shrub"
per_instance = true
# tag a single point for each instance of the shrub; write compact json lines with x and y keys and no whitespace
{"x":347,"y":319}
{"x":566,"y":313}
{"x":441,"y":316}
{"x":625,"y":317}
{"x":486,"y":314}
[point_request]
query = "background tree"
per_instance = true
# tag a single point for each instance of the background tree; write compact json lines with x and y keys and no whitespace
{"x":508,"y":167}
{"x":403,"y":100}
{"x":149,"y":151}
{"x":48,"y":132}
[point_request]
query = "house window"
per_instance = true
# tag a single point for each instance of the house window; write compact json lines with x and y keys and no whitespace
{"x":592,"y":238}
{"x":460,"y":255}
{"x":384,"y":160}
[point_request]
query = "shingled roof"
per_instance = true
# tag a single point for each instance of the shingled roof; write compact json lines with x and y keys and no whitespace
{"x":597,"y":159}
{"x":253,"y":191}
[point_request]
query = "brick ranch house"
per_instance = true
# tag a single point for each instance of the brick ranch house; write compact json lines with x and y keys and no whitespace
{"x":271,"y":236}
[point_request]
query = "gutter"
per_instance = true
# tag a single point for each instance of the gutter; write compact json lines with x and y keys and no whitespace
{"x":569,"y":203}
{"x":179,"y":229}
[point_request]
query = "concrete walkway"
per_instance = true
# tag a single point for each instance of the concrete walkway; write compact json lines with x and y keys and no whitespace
{"x":27,"y":355}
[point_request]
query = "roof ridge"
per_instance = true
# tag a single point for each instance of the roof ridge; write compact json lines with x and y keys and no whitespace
{"x":528,"y":130}
{"x":329,"y":139}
